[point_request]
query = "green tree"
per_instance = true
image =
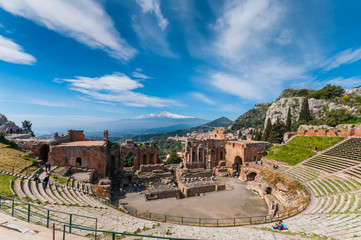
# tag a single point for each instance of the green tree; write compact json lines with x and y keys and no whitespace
{"x":328,"y":92}
{"x":128,"y":159}
{"x":268,"y":130}
{"x":305,"y":114}
{"x":277,"y":132}
{"x":27,"y":124}
{"x":173,"y":157}
{"x":337,"y":116}
{"x":289,"y":120}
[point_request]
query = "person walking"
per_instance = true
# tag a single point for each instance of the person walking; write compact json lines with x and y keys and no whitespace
{"x":45,"y":181}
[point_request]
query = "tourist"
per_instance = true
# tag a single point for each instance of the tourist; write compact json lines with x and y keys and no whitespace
{"x":261,"y":162}
{"x":45,"y":181}
{"x":284,"y":227}
{"x":256,"y":161}
{"x":279,"y":225}
{"x":237,"y":174}
{"x":212,"y":178}
{"x":37,"y":179}
{"x":49,"y":166}
{"x":168,"y":232}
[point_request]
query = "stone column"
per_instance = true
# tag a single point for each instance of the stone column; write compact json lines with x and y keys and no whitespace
{"x":191,"y":152}
{"x":198,"y":154}
{"x":207,"y":159}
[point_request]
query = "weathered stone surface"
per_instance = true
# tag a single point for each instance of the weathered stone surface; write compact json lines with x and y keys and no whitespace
{"x":279,"y":108}
{"x":5,"y":123}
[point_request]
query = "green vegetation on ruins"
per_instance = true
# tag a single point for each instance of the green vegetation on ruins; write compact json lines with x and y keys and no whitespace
{"x":12,"y":159}
{"x":300,"y":148}
{"x":5,"y":186}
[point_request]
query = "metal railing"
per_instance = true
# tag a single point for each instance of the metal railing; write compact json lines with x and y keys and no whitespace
{"x":115,"y":235}
{"x":33,"y":213}
{"x":219,"y":222}
{"x":75,"y":223}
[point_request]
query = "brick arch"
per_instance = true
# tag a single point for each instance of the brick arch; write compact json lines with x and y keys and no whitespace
{"x":305,"y":133}
{"x":251,"y":176}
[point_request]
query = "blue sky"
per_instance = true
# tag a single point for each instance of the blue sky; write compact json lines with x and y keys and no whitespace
{"x":65,"y":63}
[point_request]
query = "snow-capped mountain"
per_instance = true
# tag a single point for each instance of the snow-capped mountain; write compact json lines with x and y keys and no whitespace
{"x":150,"y":123}
{"x":162,"y":115}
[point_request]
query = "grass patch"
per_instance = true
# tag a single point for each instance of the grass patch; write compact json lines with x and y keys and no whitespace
{"x":301,"y":148}
{"x":14,"y":159}
{"x":59,"y":179}
{"x":4,"y":185}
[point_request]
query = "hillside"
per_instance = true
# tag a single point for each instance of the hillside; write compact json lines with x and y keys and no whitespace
{"x":254,"y":118}
{"x":14,"y":160}
{"x":219,"y":122}
{"x":301,"y":148}
{"x":330,"y":105}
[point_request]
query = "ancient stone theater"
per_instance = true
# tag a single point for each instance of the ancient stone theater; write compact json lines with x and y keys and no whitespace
{"x":211,"y":153}
{"x":73,"y":149}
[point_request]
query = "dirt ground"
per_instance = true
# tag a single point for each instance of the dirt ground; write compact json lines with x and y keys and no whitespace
{"x":235,"y":203}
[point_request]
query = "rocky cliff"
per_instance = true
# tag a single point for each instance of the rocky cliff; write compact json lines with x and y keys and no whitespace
{"x":318,"y":107}
{"x":5,"y":123}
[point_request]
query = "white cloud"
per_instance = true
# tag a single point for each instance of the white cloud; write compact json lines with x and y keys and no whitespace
{"x":84,"y":20}
{"x":14,"y":53}
{"x":346,"y":82}
{"x":246,"y":26}
{"x":152,"y":37}
{"x":345,"y":57}
{"x":153,"y":6}
{"x":116,"y":82}
{"x":203,"y":98}
{"x":258,"y":82}
{"x":115,"y":88}
{"x":285,"y":37}
{"x":140,"y":75}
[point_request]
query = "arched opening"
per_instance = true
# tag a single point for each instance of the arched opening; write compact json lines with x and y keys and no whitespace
{"x":251,"y":176}
{"x":268,"y":190}
{"x":316,"y":133}
{"x":221,"y":155}
{"x":194,"y":156}
{"x":112,"y":161}
{"x":213,"y":159}
{"x":305,"y":133}
{"x":151,"y":158}
{"x":44,"y":152}
{"x":78,"y":162}
{"x":144,"y":161}
{"x":112,"y":168}
{"x":128,"y":159}
{"x":237,"y":163}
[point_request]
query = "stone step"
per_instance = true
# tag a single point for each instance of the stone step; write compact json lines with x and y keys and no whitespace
{"x":326,"y":205}
{"x":80,"y":198}
{"x":331,"y":207}
{"x":18,"y":190}
{"x":56,"y":193}
{"x":50,"y":193}
{"x":35,"y":191}
{"x":27,"y":190}
{"x":44,"y":194}
{"x":347,"y":204}
{"x":340,"y":204}
{"x":66,"y":195}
